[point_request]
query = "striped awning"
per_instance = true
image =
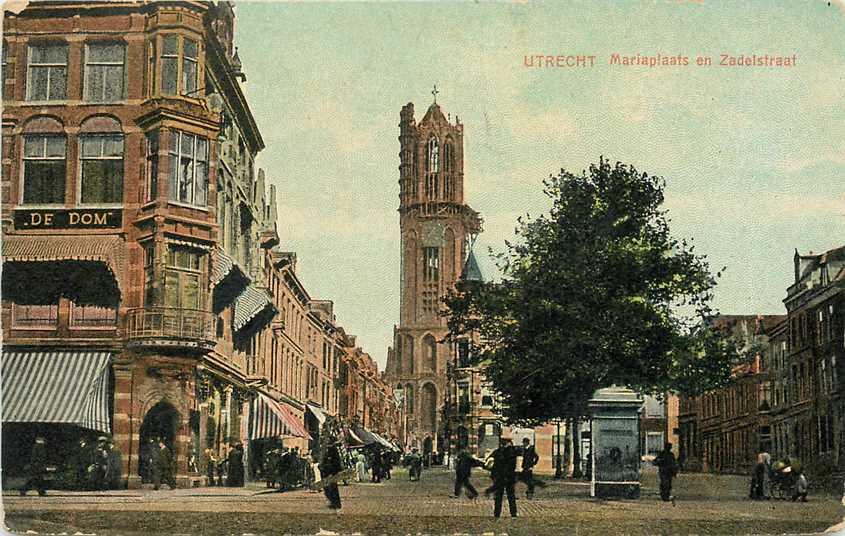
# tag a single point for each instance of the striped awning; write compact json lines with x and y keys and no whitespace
{"x":383,"y":441}
{"x":272,"y":419}
{"x":318,"y":413}
{"x":249,"y":304}
{"x":222,"y":266}
{"x":70,"y":387}
{"x":108,"y":249}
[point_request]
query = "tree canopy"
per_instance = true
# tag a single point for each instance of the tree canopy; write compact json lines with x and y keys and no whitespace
{"x":595,"y":293}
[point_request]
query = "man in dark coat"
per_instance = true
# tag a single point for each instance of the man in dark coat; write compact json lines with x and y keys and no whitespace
{"x":330,"y":465}
{"x":529,"y":460}
{"x":414,"y":463}
{"x":283,"y":469}
{"x":504,"y":476}
{"x":163,"y":467}
{"x":221,"y":464}
{"x":235,"y":477}
{"x":463,"y":470}
{"x":101,"y":464}
{"x":377,"y":465}
{"x":667,"y":468}
{"x":37,"y":468}
{"x":115,"y":469}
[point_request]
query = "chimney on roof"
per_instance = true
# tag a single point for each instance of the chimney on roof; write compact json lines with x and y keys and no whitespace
{"x":796,"y":259}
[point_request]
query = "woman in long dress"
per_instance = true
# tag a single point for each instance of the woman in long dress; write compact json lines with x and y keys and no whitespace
{"x":361,"y":468}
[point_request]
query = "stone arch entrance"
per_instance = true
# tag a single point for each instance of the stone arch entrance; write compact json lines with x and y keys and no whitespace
{"x":162,"y":421}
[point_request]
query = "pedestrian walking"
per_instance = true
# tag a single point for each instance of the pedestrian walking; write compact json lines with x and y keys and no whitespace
{"x":414,"y":463}
{"x":761,"y":478}
{"x":330,"y":466}
{"x":667,"y":469}
{"x":37,"y":468}
{"x":377,"y":466}
{"x":361,"y":468}
{"x":529,"y":460}
{"x":504,"y":476}
{"x":464,"y":462}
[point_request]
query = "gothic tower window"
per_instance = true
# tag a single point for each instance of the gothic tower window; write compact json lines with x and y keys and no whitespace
{"x":431,"y":264}
{"x":432,"y":166}
{"x":430,"y":348}
{"x":432,"y":156}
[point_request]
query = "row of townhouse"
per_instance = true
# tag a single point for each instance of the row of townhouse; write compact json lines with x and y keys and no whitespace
{"x":145,"y":295}
{"x":787,"y":398}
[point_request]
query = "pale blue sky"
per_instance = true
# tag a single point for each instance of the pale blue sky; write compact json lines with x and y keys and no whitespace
{"x":754,"y":158}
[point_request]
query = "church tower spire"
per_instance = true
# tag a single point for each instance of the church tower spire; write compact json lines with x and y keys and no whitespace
{"x":435,"y":226}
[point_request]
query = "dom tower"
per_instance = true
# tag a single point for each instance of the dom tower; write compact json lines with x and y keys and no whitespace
{"x":436,"y":227}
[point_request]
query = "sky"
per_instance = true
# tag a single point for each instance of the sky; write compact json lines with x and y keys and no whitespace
{"x":753,"y":157}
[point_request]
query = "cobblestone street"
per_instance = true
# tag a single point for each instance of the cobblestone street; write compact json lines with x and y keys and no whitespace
{"x":706,"y":504}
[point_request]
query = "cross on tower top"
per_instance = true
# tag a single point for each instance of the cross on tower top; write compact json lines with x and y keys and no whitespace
{"x":435,"y":92}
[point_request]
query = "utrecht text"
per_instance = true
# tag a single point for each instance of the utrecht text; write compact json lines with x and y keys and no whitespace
{"x":559,"y":60}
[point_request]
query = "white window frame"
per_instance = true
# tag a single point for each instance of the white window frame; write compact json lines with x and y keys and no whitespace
{"x":24,"y":160}
{"x":87,"y":74}
{"x":49,"y":67}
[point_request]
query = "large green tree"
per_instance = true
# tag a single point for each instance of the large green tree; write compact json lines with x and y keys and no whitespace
{"x":595,"y":293}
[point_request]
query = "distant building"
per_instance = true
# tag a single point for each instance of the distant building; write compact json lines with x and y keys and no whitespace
{"x":787,"y":398}
{"x":725,"y":429}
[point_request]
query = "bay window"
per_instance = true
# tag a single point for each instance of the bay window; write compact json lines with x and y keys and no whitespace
{"x":179,"y":65}
{"x":182,"y":278}
{"x":44,"y":169}
{"x":102,"y":168}
{"x":188,"y":169}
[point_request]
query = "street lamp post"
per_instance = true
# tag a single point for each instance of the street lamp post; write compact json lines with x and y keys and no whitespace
{"x":558,"y":457}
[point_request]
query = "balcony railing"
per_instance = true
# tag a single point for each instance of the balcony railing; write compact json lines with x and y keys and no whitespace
{"x":165,"y":326}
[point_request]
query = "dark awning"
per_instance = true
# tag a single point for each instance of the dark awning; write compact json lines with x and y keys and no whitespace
{"x":108,"y":249}
{"x":249,"y":304}
{"x":63,"y":386}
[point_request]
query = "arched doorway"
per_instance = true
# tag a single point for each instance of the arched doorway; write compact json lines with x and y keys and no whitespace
{"x":161,"y":422}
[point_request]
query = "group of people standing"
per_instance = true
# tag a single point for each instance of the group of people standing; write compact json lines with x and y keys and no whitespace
{"x":228,"y":467}
{"x":783,"y":479}
{"x":288,"y":468}
{"x":376,"y":461}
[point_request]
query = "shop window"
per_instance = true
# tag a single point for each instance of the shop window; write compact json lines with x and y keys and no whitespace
{"x":102,"y":169}
{"x":47,"y":72}
{"x":39,"y":316}
{"x":182,"y":278}
{"x":188,"y":169}
{"x":45,"y":169}
{"x":104,"y":72}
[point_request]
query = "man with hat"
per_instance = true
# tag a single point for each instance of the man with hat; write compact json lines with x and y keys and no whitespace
{"x":503,"y":473}
{"x":330,"y":465}
{"x":101,"y":464}
{"x":37,"y":468}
